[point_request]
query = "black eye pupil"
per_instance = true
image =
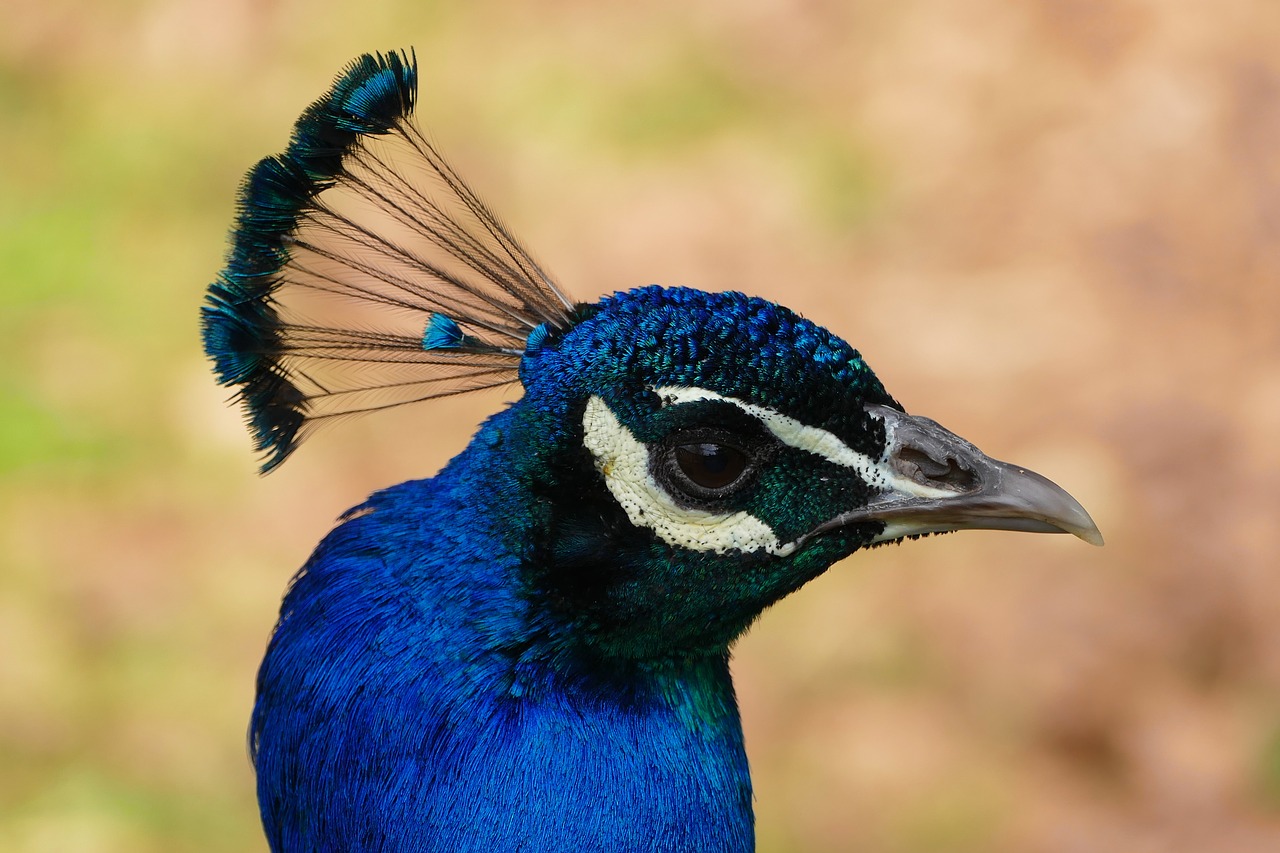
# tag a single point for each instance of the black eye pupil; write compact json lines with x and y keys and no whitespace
{"x":711,"y":466}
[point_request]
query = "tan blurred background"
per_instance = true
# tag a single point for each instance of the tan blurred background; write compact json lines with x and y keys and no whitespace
{"x":1052,"y":225}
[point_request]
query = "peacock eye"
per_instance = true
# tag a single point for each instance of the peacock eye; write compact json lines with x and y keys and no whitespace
{"x":707,"y":466}
{"x":711,"y":466}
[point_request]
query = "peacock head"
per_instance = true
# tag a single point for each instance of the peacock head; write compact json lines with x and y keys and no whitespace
{"x":708,"y":453}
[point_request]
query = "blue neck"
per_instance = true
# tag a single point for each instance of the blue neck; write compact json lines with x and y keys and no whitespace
{"x":417,"y":695}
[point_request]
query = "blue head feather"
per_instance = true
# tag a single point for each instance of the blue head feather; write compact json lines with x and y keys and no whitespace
{"x":737,"y":345}
{"x":537,"y":338}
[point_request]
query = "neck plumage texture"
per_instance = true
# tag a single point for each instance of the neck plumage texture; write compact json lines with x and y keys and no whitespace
{"x":420,"y":693}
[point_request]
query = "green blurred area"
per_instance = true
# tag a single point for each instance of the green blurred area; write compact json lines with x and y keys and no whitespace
{"x":1053,"y":226}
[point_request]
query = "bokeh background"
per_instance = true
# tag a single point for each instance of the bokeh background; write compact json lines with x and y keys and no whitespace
{"x":1053,"y":225}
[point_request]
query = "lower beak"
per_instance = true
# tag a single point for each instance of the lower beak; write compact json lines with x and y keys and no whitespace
{"x":939,"y":482}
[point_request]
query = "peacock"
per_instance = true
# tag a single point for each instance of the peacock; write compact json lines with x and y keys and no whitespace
{"x":530,"y":650}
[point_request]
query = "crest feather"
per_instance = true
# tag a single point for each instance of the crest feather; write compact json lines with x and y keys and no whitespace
{"x":364,"y":273}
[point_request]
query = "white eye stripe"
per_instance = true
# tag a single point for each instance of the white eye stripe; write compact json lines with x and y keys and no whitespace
{"x":876,"y":473}
{"x":624,"y":463}
{"x":792,"y":433}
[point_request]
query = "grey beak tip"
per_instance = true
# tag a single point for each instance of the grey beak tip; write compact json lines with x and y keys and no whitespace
{"x":1091,"y":535}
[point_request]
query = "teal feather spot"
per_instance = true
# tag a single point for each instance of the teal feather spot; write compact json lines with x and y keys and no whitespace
{"x":441,"y":333}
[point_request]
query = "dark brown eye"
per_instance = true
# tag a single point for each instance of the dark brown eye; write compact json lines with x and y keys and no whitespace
{"x":711,"y":466}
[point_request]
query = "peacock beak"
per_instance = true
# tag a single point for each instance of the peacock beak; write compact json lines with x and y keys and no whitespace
{"x":938,"y":482}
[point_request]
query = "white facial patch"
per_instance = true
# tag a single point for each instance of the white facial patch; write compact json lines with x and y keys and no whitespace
{"x":624,"y":463}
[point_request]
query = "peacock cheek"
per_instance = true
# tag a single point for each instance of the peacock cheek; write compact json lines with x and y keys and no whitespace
{"x":797,"y":494}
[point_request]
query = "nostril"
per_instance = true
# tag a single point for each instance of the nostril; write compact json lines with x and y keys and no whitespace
{"x":923,"y":468}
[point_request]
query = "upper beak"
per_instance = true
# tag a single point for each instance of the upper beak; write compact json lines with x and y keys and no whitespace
{"x":939,"y":482}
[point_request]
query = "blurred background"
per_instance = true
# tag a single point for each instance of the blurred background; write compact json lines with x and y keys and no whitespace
{"x":1053,"y":225}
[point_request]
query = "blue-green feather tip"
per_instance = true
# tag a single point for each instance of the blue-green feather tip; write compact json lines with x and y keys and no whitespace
{"x":238,"y":331}
{"x":271,"y":198}
{"x":240,"y":334}
{"x":370,"y":97}
{"x":442,"y":333}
